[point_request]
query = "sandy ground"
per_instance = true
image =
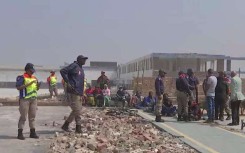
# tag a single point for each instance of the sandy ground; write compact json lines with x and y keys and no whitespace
{"x":44,"y":125}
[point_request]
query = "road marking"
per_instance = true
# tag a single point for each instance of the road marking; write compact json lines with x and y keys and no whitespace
{"x":185,"y":136}
{"x":236,"y":133}
{"x":191,"y":139}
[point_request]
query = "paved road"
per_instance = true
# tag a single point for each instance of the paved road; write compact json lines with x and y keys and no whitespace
{"x":8,"y":129}
{"x":206,"y":138}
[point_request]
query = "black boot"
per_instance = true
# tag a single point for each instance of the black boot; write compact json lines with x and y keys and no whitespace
{"x":179,"y":118}
{"x":158,"y":119}
{"x":33,"y":134}
{"x":65,"y":126}
{"x":20,"y":134}
{"x":78,"y":129}
{"x":185,"y":118}
{"x":228,"y":117}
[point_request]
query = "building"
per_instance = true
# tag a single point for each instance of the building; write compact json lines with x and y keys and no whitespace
{"x":8,"y":74}
{"x":172,"y":63}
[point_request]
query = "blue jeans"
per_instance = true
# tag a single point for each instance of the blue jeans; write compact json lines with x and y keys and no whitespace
{"x":210,"y":107}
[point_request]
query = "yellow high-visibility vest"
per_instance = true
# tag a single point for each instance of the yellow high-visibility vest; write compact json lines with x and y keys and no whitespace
{"x":31,"y":90}
{"x":53,"y":80}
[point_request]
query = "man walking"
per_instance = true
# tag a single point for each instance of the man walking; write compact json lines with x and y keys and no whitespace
{"x":183,"y":95}
{"x":28,"y":86}
{"x":159,"y":87}
{"x":52,"y":82}
{"x":73,"y":75}
{"x":236,"y":98}
{"x":210,"y":94}
{"x":221,"y":94}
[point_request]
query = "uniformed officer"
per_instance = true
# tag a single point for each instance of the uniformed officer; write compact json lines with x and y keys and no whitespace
{"x":159,"y":86}
{"x":28,"y":86}
{"x":73,"y":75}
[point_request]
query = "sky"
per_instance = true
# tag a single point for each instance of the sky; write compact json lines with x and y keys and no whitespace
{"x":51,"y":32}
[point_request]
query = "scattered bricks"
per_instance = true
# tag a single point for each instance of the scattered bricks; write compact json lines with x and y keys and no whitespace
{"x":91,"y":146}
{"x":64,"y":139}
{"x":89,"y":126}
{"x":77,"y":146}
{"x":104,"y":150}
{"x":147,"y":137}
{"x":85,"y":135}
{"x":102,"y":139}
{"x":56,"y":134}
{"x":115,"y":134}
{"x":140,"y":137}
{"x":101,"y":146}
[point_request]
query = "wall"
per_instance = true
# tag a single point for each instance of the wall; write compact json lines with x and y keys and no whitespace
{"x":8,"y":77}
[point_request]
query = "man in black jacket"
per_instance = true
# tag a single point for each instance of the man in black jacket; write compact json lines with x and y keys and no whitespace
{"x":221,"y":94}
{"x":183,"y":95}
{"x":159,"y":87}
{"x":73,"y":76}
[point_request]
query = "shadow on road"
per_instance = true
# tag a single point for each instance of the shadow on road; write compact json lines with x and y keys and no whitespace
{"x":7,"y":137}
{"x":46,"y":132}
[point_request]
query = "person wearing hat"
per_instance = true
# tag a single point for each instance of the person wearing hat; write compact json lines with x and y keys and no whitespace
{"x":74,"y":76}
{"x":159,"y":87}
{"x":28,"y":85}
{"x":102,"y":80}
{"x":52,"y":82}
{"x":183,"y":95}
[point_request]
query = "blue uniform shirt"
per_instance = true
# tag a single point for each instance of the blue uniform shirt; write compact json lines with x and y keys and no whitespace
{"x":20,"y":82}
{"x":159,"y":86}
{"x":74,"y":75}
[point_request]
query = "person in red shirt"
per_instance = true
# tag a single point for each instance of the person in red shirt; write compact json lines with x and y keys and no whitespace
{"x":98,"y":96}
{"x":90,"y":95}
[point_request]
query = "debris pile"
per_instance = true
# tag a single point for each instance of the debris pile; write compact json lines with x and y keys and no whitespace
{"x":116,"y":131}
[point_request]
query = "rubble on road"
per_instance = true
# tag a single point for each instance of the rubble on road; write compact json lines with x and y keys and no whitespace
{"x":116,"y":131}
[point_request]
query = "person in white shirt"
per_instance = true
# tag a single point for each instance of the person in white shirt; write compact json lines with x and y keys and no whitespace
{"x":210,"y":94}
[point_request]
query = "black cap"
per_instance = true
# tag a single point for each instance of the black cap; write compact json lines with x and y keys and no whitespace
{"x":30,"y":66}
{"x":210,"y":71}
{"x":81,"y":57}
{"x":161,"y":71}
{"x":189,"y":71}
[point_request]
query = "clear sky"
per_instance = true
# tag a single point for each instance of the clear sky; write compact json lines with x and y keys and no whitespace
{"x":50,"y":32}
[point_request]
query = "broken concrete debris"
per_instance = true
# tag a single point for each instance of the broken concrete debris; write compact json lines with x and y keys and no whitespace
{"x":116,"y":131}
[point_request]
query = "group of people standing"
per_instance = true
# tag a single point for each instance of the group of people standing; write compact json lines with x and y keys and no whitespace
{"x":221,"y":93}
{"x":28,"y":85}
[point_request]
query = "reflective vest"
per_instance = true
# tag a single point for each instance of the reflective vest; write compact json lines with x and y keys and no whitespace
{"x":85,"y":84}
{"x":53,"y":80}
{"x":31,"y":90}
